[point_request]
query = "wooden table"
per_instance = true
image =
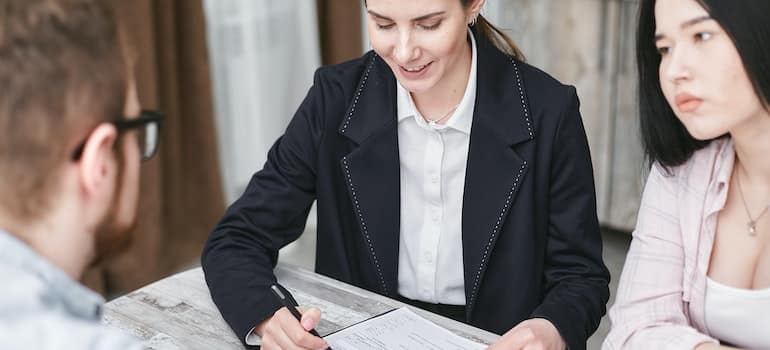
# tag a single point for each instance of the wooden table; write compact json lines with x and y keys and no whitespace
{"x":177,"y":312}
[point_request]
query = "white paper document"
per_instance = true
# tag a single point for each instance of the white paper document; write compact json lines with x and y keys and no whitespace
{"x":400,"y":329}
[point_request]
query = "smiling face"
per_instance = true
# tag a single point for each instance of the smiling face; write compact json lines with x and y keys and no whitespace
{"x":423,"y":41}
{"x":701,"y":73}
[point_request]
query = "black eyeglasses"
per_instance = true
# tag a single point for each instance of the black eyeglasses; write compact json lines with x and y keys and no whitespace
{"x":148,"y":124}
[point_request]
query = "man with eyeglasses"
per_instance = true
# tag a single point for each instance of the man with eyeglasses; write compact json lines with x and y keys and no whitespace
{"x":71,"y":140}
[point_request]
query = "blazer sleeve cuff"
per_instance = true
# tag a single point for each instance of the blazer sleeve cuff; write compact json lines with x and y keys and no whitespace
{"x":244,"y":321}
{"x":570,"y":328}
{"x":252,"y":338}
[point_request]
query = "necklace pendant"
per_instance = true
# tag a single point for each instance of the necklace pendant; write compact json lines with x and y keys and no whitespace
{"x":752,"y":228}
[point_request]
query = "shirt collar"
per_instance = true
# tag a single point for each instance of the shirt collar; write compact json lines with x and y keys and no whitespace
{"x":463,"y":115}
{"x":721,"y":173}
{"x":78,"y":300}
{"x":726,"y":156}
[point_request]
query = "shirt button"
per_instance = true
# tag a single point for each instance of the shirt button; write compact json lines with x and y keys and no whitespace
{"x":434,"y":179}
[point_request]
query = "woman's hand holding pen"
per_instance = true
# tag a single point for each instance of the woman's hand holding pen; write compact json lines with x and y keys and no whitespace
{"x":283,"y":331}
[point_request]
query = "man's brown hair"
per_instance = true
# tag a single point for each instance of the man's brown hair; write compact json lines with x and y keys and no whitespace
{"x":62,"y":72}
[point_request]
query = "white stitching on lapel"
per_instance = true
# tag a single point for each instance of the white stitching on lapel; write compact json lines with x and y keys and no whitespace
{"x":358,"y":93}
{"x":363,"y":225}
{"x":521,"y":93}
{"x":496,"y":229}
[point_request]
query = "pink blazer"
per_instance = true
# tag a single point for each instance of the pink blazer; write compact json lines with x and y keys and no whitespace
{"x":661,"y":295}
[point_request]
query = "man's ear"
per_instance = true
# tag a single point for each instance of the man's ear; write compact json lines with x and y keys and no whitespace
{"x":97,"y":161}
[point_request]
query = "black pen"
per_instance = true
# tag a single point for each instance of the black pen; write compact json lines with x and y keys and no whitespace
{"x":287,"y":300}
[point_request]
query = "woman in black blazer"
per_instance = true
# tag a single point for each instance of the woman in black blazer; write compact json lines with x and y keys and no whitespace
{"x":516,"y":238}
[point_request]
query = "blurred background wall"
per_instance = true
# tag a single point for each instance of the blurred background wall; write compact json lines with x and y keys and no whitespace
{"x":181,"y":189}
{"x":263,"y":55}
{"x":590,"y":44}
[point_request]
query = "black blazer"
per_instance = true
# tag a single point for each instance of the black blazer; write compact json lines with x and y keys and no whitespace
{"x":531,"y":243}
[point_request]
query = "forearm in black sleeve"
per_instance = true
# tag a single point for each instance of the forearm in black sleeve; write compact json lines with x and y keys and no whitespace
{"x":240,"y":254}
{"x":575,"y":275}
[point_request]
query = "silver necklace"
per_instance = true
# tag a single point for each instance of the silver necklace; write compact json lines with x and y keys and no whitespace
{"x":752,"y":221}
{"x":433,"y":122}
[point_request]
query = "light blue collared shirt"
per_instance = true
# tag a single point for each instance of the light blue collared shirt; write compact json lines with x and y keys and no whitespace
{"x":42,"y":308}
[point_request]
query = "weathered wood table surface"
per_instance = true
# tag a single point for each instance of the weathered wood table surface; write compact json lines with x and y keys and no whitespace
{"x":177,"y":312}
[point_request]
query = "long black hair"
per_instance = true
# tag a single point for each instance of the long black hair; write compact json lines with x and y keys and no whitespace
{"x":665,"y":139}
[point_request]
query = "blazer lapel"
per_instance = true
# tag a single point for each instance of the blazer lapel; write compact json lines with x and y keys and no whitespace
{"x":371,"y":170}
{"x":495,"y":171}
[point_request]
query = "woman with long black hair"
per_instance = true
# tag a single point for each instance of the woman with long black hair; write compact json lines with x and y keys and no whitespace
{"x":698,"y":271}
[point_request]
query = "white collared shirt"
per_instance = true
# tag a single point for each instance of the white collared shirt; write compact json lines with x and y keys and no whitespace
{"x":433,"y":159}
{"x":432,"y":162}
